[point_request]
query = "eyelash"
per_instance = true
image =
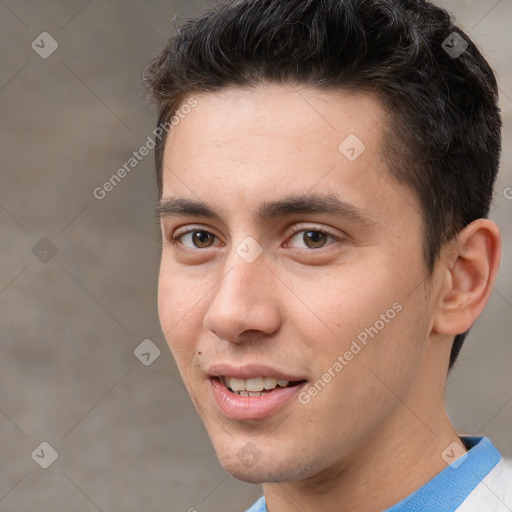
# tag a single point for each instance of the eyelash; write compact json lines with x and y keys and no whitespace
{"x":175,"y":240}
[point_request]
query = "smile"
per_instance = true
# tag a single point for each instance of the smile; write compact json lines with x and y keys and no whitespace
{"x":253,"y":398}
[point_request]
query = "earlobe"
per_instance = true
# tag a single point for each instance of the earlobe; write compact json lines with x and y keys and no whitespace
{"x":470,"y":267}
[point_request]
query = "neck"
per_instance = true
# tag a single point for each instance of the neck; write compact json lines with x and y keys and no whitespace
{"x":400,"y":458}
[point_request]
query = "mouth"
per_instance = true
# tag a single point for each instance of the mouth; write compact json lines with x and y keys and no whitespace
{"x":254,"y":397}
{"x":255,"y":386}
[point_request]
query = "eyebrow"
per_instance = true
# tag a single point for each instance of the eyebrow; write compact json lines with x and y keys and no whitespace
{"x":269,"y":210}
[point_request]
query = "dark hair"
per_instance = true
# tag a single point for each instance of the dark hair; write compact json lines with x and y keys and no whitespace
{"x":443,"y":133}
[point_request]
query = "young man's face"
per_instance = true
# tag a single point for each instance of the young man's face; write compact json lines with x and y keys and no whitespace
{"x":293,"y":293}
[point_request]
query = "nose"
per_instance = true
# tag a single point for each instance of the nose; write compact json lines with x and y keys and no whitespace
{"x":245,"y":300}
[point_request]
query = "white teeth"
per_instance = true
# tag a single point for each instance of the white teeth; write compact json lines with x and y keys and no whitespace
{"x":253,"y":385}
{"x":270,"y":383}
{"x":236,"y":384}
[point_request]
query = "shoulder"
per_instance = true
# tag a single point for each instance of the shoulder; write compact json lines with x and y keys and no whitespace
{"x":494,"y":493}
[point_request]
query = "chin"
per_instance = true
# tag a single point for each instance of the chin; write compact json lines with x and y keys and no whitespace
{"x":250,"y":476}
{"x":245,"y":463}
{"x":264,"y":469}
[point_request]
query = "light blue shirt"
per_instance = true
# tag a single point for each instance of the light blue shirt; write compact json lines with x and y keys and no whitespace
{"x":449,"y":489}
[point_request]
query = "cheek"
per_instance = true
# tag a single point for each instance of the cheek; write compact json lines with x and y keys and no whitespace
{"x":369,"y":317}
{"x":343,"y":303}
{"x":168,"y":302}
{"x":179,"y":312}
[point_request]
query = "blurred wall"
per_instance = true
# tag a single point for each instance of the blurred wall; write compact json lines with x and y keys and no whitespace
{"x":79,"y":274}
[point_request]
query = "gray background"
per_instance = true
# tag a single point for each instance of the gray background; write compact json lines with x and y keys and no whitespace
{"x":126,"y":434}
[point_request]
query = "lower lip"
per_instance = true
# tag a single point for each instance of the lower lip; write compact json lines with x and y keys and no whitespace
{"x":252,"y":407}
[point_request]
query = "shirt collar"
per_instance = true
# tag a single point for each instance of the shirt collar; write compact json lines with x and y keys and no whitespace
{"x":448,"y":489}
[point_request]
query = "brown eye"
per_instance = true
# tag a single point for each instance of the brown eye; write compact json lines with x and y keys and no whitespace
{"x":317,"y":238}
{"x":203,"y":238}
{"x":200,"y":239}
{"x":311,"y":239}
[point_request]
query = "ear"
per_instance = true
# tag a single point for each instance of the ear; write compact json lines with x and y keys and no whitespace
{"x":468,"y":270}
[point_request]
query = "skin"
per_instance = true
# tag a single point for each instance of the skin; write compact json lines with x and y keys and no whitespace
{"x":376,"y":432}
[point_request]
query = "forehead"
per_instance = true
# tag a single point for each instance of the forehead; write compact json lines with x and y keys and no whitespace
{"x":238,"y":146}
{"x":300,"y":120}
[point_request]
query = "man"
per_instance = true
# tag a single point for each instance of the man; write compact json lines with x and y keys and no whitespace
{"x":325,"y":169}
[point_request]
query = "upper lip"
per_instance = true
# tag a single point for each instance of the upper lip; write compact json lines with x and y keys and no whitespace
{"x":249,"y":371}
